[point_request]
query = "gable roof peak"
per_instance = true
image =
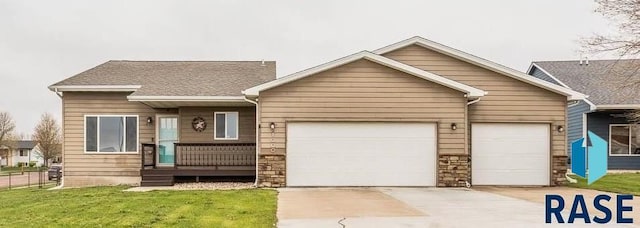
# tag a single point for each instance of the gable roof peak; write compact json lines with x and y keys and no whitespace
{"x":469,"y":91}
{"x":481,"y":62}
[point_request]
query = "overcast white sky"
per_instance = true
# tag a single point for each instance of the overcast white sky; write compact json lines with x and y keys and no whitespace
{"x":42,"y":42}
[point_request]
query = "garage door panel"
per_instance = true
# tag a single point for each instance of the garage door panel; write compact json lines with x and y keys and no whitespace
{"x":355,"y":129}
{"x":360,"y":154}
{"x":510,"y":154}
{"x":523,"y":162}
{"x":503,"y":176}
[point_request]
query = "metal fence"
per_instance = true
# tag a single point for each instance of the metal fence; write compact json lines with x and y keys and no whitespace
{"x":25,"y":179}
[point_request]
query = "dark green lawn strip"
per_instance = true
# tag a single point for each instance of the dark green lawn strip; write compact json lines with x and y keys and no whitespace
{"x":624,"y":183}
{"x":109,"y":207}
{"x":19,"y":170}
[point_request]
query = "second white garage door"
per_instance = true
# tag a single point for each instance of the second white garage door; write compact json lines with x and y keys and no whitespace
{"x":361,"y":154}
{"x":510,"y":154}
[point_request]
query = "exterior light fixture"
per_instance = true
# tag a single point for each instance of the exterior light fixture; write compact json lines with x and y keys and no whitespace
{"x":454,"y":126}
{"x":272,"y":125}
{"x":560,"y":128}
{"x":149,"y":121}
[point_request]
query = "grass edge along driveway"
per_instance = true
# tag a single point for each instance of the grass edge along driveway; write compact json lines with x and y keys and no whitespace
{"x":111,"y":207}
{"x":623,"y":183}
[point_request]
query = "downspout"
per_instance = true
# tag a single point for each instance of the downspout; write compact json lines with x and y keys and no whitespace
{"x":255,"y":183}
{"x":61,"y":186}
{"x":57,"y":93}
{"x":473,"y":101}
{"x":467,"y":183}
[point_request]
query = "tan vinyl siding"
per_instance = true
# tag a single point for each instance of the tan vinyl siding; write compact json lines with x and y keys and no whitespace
{"x":81,"y":168}
{"x":363,"y":91}
{"x":509,"y":100}
{"x":246,"y":124}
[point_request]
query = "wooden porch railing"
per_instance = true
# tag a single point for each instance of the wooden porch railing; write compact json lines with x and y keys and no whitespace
{"x":215,"y":154}
{"x":148,"y":155}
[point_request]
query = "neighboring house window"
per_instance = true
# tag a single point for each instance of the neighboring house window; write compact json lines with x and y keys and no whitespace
{"x":111,"y":133}
{"x":226,"y":125}
{"x":23,"y":153}
{"x":623,"y":139}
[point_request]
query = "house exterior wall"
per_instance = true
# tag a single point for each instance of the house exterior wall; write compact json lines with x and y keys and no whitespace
{"x":246,"y":124}
{"x":361,"y":91}
{"x":36,"y":155}
{"x":17,"y":159}
{"x":83,"y":169}
{"x":541,"y":75}
{"x":508,"y":100}
{"x":31,"y":155}
{"x":86,"y":169}
{"x":598,"y":123}
{"x":575,"y":123}
{"x":574,"y":112}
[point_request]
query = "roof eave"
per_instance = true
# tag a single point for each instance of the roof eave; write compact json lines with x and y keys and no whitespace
{"x":618,"y":106}
{"x":94,"y":88}
{"x":576,"y":96}
{"x":187,"y":98}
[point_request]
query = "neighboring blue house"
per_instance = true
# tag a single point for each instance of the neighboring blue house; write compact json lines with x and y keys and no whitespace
{"x":613,"y":87}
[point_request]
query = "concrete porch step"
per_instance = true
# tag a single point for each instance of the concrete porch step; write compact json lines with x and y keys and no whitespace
{"x":156,"y":177}
{"x":146,"y":183}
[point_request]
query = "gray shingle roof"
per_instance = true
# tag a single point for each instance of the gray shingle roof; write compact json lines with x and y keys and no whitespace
{"x":21,"y":144}
{"x":26,"y":144}
{"x":606,"y":82}
{"x":179,"y":78}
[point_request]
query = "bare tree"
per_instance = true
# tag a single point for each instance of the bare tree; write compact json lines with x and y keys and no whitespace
{"x":47,"y":134}
{"x":624,"y":43}
{"x":7,"y":127}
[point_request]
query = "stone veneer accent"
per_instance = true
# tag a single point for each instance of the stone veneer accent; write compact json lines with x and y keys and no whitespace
{"x":271,"y":170}
{"x":453,"y":170}
{"x":559,"y":169}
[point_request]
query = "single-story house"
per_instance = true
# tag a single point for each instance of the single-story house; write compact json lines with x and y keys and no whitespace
{"x":613,"y":91}
{"x":414,"y":113}
{"x":21,"y":153}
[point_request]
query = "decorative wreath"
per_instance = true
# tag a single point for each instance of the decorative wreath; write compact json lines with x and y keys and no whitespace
{"x":198,"y":124}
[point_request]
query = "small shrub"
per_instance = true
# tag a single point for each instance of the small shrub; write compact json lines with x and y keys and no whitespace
{"x":32,"y":164}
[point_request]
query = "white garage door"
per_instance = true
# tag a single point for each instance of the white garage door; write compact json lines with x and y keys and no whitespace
{"x":510,"y":154}
{"x":361,"y":154}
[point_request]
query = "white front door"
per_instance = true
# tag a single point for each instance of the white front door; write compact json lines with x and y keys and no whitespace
{"x":361,"y":154}
{"x":510,"y":154}
{"x":167,"y":135}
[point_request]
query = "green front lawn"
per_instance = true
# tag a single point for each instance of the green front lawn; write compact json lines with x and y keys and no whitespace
{"x":625,"y":183}
{"x":110,"y":206}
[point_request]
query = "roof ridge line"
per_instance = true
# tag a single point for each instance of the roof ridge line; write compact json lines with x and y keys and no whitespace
{"x":124,"y":60}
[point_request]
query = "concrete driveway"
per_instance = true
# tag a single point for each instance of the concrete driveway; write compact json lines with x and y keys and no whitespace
{"x":536,"y":195}
{"x":408,"y":207}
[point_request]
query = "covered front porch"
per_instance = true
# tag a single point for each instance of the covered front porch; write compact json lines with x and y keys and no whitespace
{"x":199,"y":140}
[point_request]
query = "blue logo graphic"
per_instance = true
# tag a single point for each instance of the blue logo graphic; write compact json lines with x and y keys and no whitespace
{"x":592,"y":158}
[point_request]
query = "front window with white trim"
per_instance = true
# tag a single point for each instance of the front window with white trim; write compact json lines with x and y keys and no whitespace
{"x":225,"y":125}
{"x":111,"y":133}
{"x":623,"y":139}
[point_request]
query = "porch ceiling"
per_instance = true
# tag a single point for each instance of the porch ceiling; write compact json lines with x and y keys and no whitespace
{"x":176,"y":104}
{"x":190,"y":101}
